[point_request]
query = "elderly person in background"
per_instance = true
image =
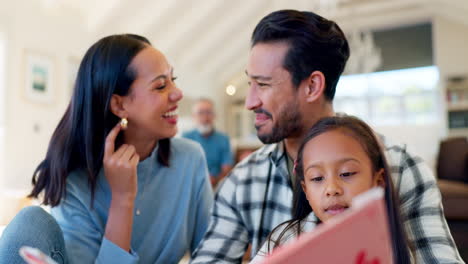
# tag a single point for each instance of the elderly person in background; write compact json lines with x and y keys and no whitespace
{"x":215,"y":143}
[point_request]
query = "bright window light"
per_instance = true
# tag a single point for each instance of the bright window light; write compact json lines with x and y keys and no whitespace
{"x":408,"y":96}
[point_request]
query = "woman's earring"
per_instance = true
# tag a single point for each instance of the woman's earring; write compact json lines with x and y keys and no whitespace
{"x":123,"y":123}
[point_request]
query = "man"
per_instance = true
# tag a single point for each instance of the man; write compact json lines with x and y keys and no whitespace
{"x":215,"y":144}
{"x":295,"y":61}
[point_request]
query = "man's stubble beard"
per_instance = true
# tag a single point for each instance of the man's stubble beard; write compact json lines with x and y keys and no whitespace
{"x":289,"y":124}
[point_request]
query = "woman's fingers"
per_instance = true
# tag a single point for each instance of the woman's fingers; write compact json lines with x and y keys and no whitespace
{"x":128,"y":154}
{"x":123,"y":156}
{"x":110,"y":141}
{"x":120,"y":166}
{"x":135,"y":159}
{"x":119,"y":153}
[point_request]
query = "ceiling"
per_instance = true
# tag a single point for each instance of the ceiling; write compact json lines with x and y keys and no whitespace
{"x":211,"y":37}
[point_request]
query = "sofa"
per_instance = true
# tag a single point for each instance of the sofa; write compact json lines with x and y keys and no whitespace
{"x":452,"y":174}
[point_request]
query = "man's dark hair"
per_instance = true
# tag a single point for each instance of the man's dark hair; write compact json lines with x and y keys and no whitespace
{"x":315,"y":44}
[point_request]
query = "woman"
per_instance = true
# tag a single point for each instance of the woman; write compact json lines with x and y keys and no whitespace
{"x":120,"y":186}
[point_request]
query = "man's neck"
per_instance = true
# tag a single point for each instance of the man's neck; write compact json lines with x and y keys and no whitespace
{"x":292,"y":144}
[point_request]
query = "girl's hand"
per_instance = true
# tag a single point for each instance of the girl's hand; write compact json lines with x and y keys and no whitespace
{"x":120,"y":167}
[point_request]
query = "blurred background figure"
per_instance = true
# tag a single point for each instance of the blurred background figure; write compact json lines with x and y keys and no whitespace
{"x":215,"y":143}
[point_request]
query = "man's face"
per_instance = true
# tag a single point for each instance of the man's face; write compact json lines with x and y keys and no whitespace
{"x":204,"y":114}
{"x":271,"y":94}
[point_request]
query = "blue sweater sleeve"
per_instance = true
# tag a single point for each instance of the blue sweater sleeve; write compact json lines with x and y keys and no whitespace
{"x":83,"y":234}
{"x":111,"y":253}
{"x":204,"y":202}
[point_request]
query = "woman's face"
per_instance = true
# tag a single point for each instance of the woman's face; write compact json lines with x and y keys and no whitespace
{"x":151,"y":104}
{"x":336,"y":169}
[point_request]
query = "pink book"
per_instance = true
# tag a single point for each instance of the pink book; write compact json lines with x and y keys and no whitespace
{"x":358,"y":236}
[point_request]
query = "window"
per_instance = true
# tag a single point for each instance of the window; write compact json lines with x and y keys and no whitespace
{"x":408,"y":96}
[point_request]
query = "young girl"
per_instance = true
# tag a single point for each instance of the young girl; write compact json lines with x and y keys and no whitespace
{"x":121,"y":187}
{"x":339,"y":158}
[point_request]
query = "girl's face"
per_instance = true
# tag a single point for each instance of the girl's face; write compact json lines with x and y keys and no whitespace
{"x":151,"y":105}
{"x":336,"y":169}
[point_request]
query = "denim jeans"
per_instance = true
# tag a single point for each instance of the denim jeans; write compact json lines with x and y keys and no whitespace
{"x":32,"y":227}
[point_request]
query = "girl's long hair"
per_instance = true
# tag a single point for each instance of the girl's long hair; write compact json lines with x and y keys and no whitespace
{"x":78,"y":141}
{"x":360,"y":131}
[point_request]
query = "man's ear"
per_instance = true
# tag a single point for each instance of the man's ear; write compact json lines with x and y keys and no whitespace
{"x":314,"y":86}
{"x":379,"y":179}
{"x":116,"y":106}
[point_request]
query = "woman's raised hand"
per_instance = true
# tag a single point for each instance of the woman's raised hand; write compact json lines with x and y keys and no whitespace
{"x":120,"y":167}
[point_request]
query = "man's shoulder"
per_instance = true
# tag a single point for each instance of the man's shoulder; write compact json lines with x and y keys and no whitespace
{"x":248,"y":174}
{"x":397,"y":153}
{"x":260,"y":155}
{"x":256,"y":161}
{"x":408,"y":171}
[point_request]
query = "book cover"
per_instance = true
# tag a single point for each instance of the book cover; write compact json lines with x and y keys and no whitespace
{"x":359,"y":236}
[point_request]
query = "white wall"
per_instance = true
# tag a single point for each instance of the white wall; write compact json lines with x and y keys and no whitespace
{"x":450,"y":46}
{"x":28,"y":27}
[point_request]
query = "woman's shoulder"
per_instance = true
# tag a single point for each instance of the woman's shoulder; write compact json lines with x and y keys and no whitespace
{"x":77,"y":185}
{"x":183,"y":146}
{"x":77,"y":177}
{"x":187,"y":161}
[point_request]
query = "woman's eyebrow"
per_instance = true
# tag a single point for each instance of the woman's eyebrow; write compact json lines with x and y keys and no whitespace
{"x":162,"y":76}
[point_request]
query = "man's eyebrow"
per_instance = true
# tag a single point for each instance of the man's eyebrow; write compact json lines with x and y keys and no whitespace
{"x":258,"y":77}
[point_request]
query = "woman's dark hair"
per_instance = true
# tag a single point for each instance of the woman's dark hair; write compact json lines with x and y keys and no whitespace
{"x":315,"y":44}
{"x":78,"y":141}
{"x":360,"y":131}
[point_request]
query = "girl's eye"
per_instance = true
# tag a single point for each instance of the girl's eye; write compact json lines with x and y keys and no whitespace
{"x":317,"y":179}
{"x":174,"y":78}
{"x":263,"y":84}
{"x":347,"y":174}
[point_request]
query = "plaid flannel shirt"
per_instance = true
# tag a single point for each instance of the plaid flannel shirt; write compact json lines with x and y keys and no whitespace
{"x":235,"y":220}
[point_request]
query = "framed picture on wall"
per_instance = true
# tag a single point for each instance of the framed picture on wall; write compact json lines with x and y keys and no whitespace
{"x":39,"y":73}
